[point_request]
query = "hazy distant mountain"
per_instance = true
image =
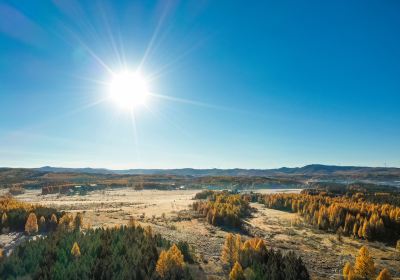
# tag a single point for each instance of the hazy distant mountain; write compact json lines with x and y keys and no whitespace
{"x":308,"y":171}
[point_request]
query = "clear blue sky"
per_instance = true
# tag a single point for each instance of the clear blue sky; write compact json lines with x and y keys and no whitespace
{"x":274,"y":83}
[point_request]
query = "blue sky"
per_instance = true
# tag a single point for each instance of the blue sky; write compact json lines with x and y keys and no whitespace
{"x":271,"y":84}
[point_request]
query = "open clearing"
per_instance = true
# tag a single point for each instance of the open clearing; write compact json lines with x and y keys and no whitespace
{"x":168,"y":212}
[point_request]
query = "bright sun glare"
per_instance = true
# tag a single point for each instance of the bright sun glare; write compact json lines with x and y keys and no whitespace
{"x":129,"y":90}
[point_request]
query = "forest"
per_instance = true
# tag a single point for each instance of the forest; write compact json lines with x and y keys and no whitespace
{"x":222,"y":208}
{"x":371,"y":192}
{"x":15,"y":214}
{"x":123,"y":252}
{"x":353,"y":216}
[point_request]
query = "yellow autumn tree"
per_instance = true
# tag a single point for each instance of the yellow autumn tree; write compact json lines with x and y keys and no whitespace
{"x":352,"y":275}
{"x":4,"y":219}
{"x":366,"y":230}
{"x":355,"y":230}
{"x":148,"y":231}
{"x":76,"y":251}
{"x":228,"y":250}
{"x":53,"y":219}
{"x":346,"y":269}
{"x":31,"y":225}
{"x":170,"y":263}
{"x":66,"y":222}
{"x":238,"y":247}
{"x":364,"y":266}
{"x":236,"y":272}
{"x":384,"y":275}
{"x":132,"y":222}
{"x":53,"y":223}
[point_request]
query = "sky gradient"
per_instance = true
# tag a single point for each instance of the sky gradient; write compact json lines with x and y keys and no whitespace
{"x":275,"y":83}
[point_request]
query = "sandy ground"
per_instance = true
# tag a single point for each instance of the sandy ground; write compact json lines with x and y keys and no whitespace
{"x":167,"y":212}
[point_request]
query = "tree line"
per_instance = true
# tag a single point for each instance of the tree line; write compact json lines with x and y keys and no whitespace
{"x":223,"y":208}
{"x":15,"y":215}
{"x":352,"y":216}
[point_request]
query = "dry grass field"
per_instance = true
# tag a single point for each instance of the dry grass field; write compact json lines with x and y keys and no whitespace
{"x":168,"y":212}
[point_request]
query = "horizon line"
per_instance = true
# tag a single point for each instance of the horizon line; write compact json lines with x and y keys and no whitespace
{"x":194,"y":168}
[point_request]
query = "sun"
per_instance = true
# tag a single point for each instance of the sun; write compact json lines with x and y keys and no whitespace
{"x":129,"y":90}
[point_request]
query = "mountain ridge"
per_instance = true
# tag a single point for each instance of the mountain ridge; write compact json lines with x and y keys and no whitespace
{"x":310,"y":170}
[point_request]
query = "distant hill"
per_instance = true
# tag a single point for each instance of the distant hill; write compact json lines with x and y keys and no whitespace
{"x":313,"y":170}
{"x":34,"y":177}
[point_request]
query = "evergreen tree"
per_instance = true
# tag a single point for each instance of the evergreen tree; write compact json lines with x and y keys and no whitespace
{"x":236,"y":272}
{"x":384,"y":275}
{"x":31,"y":225}
{"x":78,"y":221}
{"x":364,"y":266}
{"x":42,"y":224}
{"x":53,"y":222}
{"x":249,"y":274}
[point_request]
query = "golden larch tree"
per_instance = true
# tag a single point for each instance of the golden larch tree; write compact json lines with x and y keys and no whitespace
{"x":66,"y":222}
{"x":176,"y":255}
{"x":352,"y":275}
{"x":355,"y":230}
{"x":366,"y":230}
{"x":76,"y":251}
{"x":228,"y":250}
{"x":53,"y":219}
{"x":364,"y":266}
{"x":170,"y":263}
{"x":31,"y":225}
{"x":346,"y":269}
{"x":238,"y":247}
{"x":360,"y":230}
{"x":384,"y":275}
{"x":236,"y":272}
{"x":4,"y":219}
{"x":53,"y":223}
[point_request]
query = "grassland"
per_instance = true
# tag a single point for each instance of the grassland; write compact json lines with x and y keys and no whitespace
{"x":168,"y":212}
